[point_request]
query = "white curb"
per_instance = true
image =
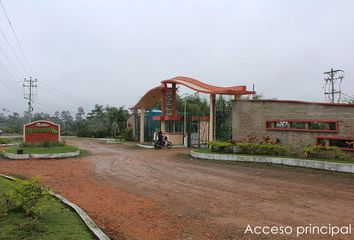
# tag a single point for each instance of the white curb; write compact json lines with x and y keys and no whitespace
{"x":94,"y":229}
{"x":28,"y":156}
{"x":323,"y":165}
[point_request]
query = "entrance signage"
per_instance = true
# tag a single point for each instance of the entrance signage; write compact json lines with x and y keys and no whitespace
{"x":41,"y":131}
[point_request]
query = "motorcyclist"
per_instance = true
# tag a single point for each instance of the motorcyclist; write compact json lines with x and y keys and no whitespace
{"x":160,"y":137}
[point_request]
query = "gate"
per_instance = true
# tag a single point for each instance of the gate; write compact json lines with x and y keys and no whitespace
{"x":223,"y":119}
{"x":198,"y":131}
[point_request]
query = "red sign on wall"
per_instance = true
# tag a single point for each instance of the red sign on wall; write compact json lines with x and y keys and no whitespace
{"x":41,"y":131}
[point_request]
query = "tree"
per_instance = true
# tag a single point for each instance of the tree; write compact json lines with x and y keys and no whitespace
{"x":79,"y":116}
{"x":67,"y":123}
{"x":117,"y":118}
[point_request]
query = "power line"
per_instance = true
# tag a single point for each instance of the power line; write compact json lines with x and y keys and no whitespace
{"x":13,"y":51}
{"x":46,"y":106}
{"x":11,"y":90}
{"x":10,"y":63}
{"x":61,"y":93}
{"x":18,"y":42}
{"x":346,"y":95}
{"x":9,"y":74}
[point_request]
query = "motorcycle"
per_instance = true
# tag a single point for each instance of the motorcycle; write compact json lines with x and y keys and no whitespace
{"x":163,"y":143}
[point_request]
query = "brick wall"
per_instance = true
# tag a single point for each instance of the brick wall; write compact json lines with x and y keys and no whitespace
{"x":249,"y":119}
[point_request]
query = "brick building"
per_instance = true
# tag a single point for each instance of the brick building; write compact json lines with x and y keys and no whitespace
{"x":294,"y":123}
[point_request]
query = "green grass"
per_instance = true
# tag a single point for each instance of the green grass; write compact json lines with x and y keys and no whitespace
{"x":43,"y":150}
{"x":56,"y":222}
{"x":8,"y":140}
{"x":207,"y":150}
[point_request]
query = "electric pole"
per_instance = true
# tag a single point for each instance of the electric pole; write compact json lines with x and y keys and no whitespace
{"x":333,"y":84}
{"x":30,"y":94}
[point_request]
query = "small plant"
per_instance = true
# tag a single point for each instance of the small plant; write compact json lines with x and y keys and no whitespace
{"x":128,"y":134}
{"x":4,"y":140}
{"x":25,"y":197}
{"x":324,"y":152}
{"x":31,"y":226}
{"x":265,"y":148}
{"x":45,"y":144}
{"x":220,"y":146}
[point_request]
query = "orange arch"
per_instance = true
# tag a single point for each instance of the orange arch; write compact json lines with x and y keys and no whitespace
{"x":199,"y":86}
{"x":152,"y":96}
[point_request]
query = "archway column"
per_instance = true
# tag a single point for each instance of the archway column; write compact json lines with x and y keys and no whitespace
{"x":212,"y":117}
{"x":142,"y":118}
{"x":163,"y":126}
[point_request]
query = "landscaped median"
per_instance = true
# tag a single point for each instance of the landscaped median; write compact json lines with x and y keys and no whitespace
{"x":28,"y":211}
{"x":316,"y":164}
{"x":44,"y":150}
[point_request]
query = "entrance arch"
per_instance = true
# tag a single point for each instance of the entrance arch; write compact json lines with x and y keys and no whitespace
{"x":167,"y":93}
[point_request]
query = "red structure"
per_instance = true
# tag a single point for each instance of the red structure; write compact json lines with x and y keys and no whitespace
{"x":41,"y":131}
{"x":167,"y":92}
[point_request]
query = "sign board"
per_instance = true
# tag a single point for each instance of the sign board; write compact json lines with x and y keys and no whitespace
{"x":41,"y":131}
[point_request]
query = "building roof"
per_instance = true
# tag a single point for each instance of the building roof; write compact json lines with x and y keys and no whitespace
{"x":149,"y":99}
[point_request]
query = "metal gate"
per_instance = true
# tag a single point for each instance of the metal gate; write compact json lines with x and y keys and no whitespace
{"x":198,"y":131}
{"x":223,"y":119}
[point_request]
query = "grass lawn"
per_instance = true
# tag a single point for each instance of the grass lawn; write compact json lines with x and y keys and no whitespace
{"x":56,"y":222}
{"x":8,"y":140}
{"x":43,"y":150}
{"x":351,"y":161}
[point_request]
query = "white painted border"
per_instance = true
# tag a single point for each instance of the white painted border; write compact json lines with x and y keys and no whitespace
{"x":94,"y":229}
{"x":329,"y":166}
{"x":47,"y":156}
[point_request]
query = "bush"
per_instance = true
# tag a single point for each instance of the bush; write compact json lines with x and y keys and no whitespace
{"x":128,"y":134}
{"x":25,"y":197}
{"x":324,"y":152}
{"x":263,"y":149}
{"x":4,"y":140}
{"x":45,"y":144}
{"x":220,"y":146}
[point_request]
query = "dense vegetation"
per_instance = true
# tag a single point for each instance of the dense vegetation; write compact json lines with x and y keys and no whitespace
{"x":99,"y":122}
{"x":273,"y":149}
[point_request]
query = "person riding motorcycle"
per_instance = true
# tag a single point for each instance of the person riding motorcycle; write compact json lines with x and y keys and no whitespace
{"x":160,"y":138}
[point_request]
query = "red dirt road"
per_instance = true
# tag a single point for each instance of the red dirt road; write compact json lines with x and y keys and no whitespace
{"x":147,"y":194}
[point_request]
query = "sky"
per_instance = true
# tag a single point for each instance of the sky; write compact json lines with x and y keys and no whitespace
{"x":111,"y":52}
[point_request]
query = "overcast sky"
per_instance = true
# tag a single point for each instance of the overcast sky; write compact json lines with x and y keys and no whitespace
{"x":112,"y":52}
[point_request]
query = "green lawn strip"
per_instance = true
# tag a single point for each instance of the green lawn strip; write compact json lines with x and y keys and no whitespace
{"x":56,"y":222}
{"x":207,"y":150}
{"x":4,"y":140}
{"x":43,"y":150}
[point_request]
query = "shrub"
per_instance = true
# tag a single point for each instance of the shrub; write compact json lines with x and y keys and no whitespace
{"x":45,"y":144}
{"x":128,"y":134}
{"x":325,"y":153}
{"x":220,"y":146}
{"x":263,"y":149}
{"x":4,"y":140}
{"x":25,"y":197}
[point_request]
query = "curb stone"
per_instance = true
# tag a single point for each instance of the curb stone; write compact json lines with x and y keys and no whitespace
{"x":94,"y":229}
{"x":322,"y":165}
{"x":28,"y":156}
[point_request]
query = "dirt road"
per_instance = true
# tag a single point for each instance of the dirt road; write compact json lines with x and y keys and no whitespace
{"x":147,"y":194}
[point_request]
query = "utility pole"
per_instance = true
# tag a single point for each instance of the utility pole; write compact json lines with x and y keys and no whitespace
{"x":30,"y":94}
{"x":330,"y":87}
